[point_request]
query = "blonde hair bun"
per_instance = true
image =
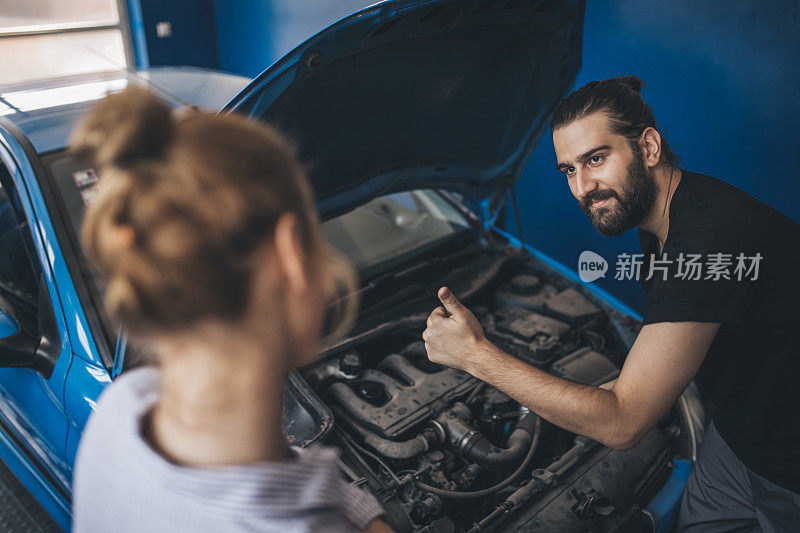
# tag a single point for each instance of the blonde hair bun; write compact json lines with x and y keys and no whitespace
{"x":183,"y":203}
{"x":124,"y":129}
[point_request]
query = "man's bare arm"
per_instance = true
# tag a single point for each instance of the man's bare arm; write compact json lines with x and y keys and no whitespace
{"x":661,"y":363}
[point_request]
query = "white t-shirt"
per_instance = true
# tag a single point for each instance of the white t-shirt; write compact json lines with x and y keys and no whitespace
{"x":122,"y":484}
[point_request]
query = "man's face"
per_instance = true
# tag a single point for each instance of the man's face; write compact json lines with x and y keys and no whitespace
{"x":606,"y":174}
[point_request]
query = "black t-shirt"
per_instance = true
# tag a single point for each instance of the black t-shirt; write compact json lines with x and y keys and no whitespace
{"x":752,"y":370}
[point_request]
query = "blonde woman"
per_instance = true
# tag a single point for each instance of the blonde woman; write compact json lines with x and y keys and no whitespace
{"x":205,"y":232}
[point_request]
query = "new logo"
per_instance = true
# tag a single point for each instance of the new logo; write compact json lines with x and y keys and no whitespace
{"x":591,"y":266}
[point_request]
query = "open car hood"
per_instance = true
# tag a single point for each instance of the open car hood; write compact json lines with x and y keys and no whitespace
{"x":426,"y":93}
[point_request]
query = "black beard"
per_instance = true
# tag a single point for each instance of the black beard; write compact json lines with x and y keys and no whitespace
{"x":638,"y":196}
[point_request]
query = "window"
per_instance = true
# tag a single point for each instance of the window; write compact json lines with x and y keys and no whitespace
{"x":44,"y":39}
{"x":73,"y":185}
{"x":18,"y":278}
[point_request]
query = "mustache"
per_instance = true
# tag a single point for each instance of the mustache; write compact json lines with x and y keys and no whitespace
{"x":596,"y":196}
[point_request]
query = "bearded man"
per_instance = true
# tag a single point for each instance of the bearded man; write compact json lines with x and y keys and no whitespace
{"x":732,"y":327}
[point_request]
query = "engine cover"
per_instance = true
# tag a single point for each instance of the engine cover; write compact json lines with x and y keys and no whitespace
{"x":527,"y":335}
{"x":409,"y":403}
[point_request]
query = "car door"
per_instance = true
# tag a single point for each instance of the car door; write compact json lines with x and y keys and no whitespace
{"x":33,"y":421}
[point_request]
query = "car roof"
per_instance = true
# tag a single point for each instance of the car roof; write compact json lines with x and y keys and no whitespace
{"x":46,"y":111}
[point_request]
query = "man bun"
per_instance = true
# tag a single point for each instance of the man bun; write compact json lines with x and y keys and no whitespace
{"x":633,"y":83}
{"x":621,"y":101}
{"x":124,"y":129}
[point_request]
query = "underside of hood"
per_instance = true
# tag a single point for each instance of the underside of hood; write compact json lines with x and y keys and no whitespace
{"x":411,"y":94}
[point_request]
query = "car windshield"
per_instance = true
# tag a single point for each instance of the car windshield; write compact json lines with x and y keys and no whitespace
{"x":376,"y":236}
{"x":394,"y":229}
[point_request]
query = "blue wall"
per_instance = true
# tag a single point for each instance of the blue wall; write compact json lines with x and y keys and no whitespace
{"x":722,"y":77}
{"x":237,"y":36}
{"x":254,"y":33}
{"x":244,"y":29}
{"x":193,"y":40}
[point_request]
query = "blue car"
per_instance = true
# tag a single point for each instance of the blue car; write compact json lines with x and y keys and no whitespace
{"x":415,"y":119}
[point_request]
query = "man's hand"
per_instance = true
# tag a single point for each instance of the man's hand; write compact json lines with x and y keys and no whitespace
{"x":453,"y":336}
{"x":660,"y":365}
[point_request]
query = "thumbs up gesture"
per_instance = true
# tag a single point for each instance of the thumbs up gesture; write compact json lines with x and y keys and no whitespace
{"x":453,"y":336}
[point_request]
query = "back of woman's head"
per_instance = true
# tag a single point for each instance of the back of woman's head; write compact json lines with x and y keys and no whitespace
{"x":184,"y":201}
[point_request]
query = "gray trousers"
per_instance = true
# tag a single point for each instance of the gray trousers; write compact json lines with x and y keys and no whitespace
{"x":722,"y":494}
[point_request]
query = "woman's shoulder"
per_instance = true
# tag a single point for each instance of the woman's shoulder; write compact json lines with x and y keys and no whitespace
{"x":123,"y":401}
{"x":137,"y":385}
{"x":103,"y":459}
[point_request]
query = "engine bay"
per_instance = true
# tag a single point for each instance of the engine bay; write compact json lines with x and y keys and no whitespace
{"x":444,"y":451}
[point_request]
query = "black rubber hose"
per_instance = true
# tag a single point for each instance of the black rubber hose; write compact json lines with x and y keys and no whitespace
{"x":537,"y":433}
{"x":481,"y":450}
{"x":478,"y":388}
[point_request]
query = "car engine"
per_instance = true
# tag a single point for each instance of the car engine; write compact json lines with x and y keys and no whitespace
{"x":444,"y":451}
